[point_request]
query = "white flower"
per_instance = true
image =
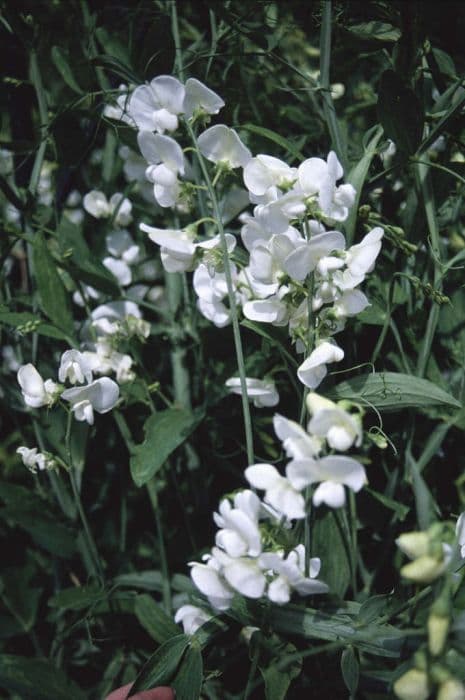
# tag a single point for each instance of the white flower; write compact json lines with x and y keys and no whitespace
{"x":297,"y":443}
{"x":243,"y":574}
{"x":279,"y":492}
{"x":209,"y":581}
{"x":360,"y":258}
{"x":272,"y":310}
{"x":100,"y":395}
{"x":155,"y":107}
{"x":313,"y":370}
{"x":75,"y":367}
{"x":211,"y":290}
{"x":166,"y":162}
{"x":36,"y":392}
{"x":460,"y":532}
{"x":307,"y":256}
{"x":119,"y":269}
{"x":351,"y":303}
{"x":268,"y":259}
{"x":119,"y":112}
{"x":340,"y":428}
{"x":199,"y":98}
{"x":34,"y":460}
{"x":262,"y":393}
{"x":177,"y":247}
{"x":97,"y":205}
{"x":317,"y":177}
{"x":291,"y":575}
{"x":220,"y":144}
{"x":120,"y":244}
{"x":334,"y":472}
{"x":239,"y":534}
{"x":263,"y":172}
{"x":191,"y":618}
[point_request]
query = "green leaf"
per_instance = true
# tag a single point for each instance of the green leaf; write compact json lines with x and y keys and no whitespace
{"x":79,"y":259}
{"x":277,"y":678}
{"x":154,"y":620}
{"x":287,"y":145}
{"x":375,"y":31}
{"x":161,"y":667}
{"x":150,"y":580}
{"x":350,"y":669}
{"x":328,"y":544}
{"x":381,"y":640}
{"x":54,"y":299}
{"x":19,"y":596}
{"x":188,"y":681}
{"x":392,"y":391}
{"x":399,"y":509}
{"x":164,"y":432}
{"x":21,"y":321}
{"x":35,"y":515}
{"x":36,"y":679}
{"x":400,"y":113}
{"x":61,"y":59}
{"x":357,"y":177}
{"x":77,"y":598}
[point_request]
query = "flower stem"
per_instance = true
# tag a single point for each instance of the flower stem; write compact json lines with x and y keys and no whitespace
{"x":231,"y":296}
{"x":88,"y":538}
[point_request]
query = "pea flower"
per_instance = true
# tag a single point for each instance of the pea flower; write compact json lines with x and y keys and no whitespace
{"x":211,"y":290}
{"x":120,"y":244}
{"x":220,"y":144}
{"x":313,"y":370}
{"x":34,"y":460}
{"x":200,"y":99}
{"x":239,"y":534}
{"x":460,"y":532}
{"x":263,"y":393}
{"x":97,"y":205}
{"x":297,"y":443}
{"x":155,"y":107}
{"x":413,"y":685}
{"x":333,"y":472}
{"x":209,"y":581}
{"x":318,"y":178}
{"x":75,"y":367}
{"x":166,"y":162}
{"x":340,"y":429}
{"x":263,"y":172}
{"x":100,"y":395}
{"x":191,"y":618}
{"x":36,"y":391}
{"x":291,"y":575}
{"x":279,"y":492}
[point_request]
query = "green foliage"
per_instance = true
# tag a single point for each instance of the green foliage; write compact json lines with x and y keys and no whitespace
{"x":94,"y":568}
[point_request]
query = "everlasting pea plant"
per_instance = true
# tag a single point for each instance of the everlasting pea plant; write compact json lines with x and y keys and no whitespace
{"x":220,"y":322}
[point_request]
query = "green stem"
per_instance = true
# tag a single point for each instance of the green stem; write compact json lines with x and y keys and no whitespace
{"x":231,"y":297}
{"x":424,"y":181}
{"x":36,"y":80}
{"x":328,"y":106}
{"x":166,"y":590}
{"x":92,"y":551}
{"x":252,"y":671}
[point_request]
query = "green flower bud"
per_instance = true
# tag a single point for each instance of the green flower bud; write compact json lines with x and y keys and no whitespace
{"x":413,"y":544}
{"x":425,"y":569}
{"x":452,"y":689}
{"x":413,"y":685}
{"x":438,"y":627}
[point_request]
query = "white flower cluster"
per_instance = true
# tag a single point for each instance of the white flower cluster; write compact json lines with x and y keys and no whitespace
{"x":99,"y":395}
{"x":239,"y":562}
{"x":295,"y":264}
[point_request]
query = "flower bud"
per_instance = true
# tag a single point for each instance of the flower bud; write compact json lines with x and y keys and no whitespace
{"x":413,"y":544}
{"x":425,"y":569}
{"x":452,"y":689}
{"x":413,"y":685}
{"x":438,"y":627}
